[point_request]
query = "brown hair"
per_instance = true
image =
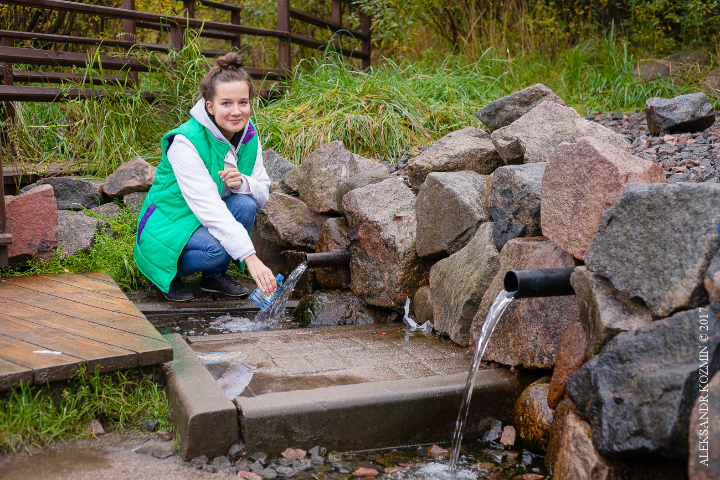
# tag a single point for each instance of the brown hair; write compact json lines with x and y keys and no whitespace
{"x":228,"y":69}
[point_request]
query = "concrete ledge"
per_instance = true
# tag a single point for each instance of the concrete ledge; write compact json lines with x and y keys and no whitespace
{"x":205,"y":419}
{"x":375,"y":415}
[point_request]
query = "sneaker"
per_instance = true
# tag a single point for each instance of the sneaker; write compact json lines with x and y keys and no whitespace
{"x":178,"y":292}
{"x":223,"y":284}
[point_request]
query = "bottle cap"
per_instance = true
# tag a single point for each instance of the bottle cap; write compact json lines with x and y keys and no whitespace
{"x":279,"y":278}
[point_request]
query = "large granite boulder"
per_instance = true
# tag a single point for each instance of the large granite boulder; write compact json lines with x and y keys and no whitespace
{"x":515,"y":202}
{"x":449,"y":209}
{"x":336,"y":307}
{"x":360,"y":179}
{"x":319,"y":175}
{"x":532,"y":417}
{"x":267,"y":251}
{"x":637,"y":393}
{"x":107,"y":211}
{"x":604,"y":311}
{"x":656,"y":242}
{"x":570,"y":357}
{"x":288,"y":222}
{"x":712,"y":283}
{"x":76,"y":231}
{"x":458,"y":283}
{"x":577,"y":458}
{"x":466,"y":149}
{"x":277,"y":167}
{"x":73,"y":193}
{"x":32,"y":219}
{"x":530,"y":330}
{"x":704,"y":432}
{"x":333,"y":238}
{"x":581,"y":181}
{"x":135,"y":175}
{"x":385,"y":268}
{"x":506,"y":110}
{"x":686,"y":113}
{"x":534,"y":136}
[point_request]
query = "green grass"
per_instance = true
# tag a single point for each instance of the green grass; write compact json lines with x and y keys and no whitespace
{"x":36,"y":416}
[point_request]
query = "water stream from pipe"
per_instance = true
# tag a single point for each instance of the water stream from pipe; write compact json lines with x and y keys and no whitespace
{"x":277,"y":307}
{"x":496,"y":310}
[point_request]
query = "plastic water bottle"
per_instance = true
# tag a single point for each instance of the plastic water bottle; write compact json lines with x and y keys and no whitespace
{"x":263,"y":301}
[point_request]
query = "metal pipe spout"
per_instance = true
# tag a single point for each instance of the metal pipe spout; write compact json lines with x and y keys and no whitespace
{"x":327,"y":259}
{"x":546,"y":282}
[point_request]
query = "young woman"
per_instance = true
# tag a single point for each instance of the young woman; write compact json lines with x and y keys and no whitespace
{"x":208,"y":187}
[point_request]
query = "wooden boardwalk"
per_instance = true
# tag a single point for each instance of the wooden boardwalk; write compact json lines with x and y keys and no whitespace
{"x":51,"y":324}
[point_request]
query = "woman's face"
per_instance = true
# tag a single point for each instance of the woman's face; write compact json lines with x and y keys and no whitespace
{"x":231,"y":107}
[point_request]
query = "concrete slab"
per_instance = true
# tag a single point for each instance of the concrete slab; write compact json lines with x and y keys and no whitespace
{"x":205,"y":419}
{"x":355,"y":387}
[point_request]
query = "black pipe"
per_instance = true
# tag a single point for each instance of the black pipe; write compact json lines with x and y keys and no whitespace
{"x":327,"y":259}
{"x":546,"y":282}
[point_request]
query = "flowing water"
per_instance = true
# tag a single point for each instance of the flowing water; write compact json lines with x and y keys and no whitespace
{"x":277,"y":307}
{"x":496,"y":310}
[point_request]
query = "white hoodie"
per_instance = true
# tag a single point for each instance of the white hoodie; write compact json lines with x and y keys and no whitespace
{"x":200,"y":192}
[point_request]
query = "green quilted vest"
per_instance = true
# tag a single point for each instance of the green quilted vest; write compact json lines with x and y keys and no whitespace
{"x":165,"y":222}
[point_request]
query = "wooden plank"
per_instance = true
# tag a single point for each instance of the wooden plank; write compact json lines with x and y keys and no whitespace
{"x":87,"y":283}
{"x":312,"y":43}
{"x":65,"y":38}
{"x":58,"y":77}
{"x":33,"y":56}
{"x":83,"y":297}
{"x":95,"y":354}
{"x":11,"y":93}
{"x":99,"y":276}
{"x":12,"y":375}
{"x":150,"y":351}
{"x":220,"y":6}
{"x":129,"y":323}
{"x":46,"y":367}
{"x":77,"y":294}
{"x":322,"y":23}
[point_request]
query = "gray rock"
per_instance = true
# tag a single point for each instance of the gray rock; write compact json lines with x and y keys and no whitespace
{"x":506,"y":110}
{"x":360,"y":179}
{"x":333,"y":238}
{"x":320,"y":174}
{"x":712,"y":81}
{"x":466,"y":149}
{"x":450,"y":207}
{"x":704,"y":463}
{"x":76,"y":231}
{"x":656,"y":69}
{"x":277,"y":167}
{"x":604,"y":311}
{"x":422,"y":305}
{"x":157,"y":449}
{"x":533,"y":137}
{"x":286,"y":221}
{"x":515,"y":202}
{"x":236,"y":451}
{"x":530,"y":330}
{"x":307,"y":283}
{"x":491,"y":430}
{"x":267,"y":251}
{"x":686,"y":113}
{"x":218,"y":464}
{"x":135,"y":175}
{"x":712,"y":283}
{"x":336,"y":307}
{"x":199,"y":461}
{"x":638,"y":392}
{"x":73,"y":193}
{"x":384,"y":266}
{"x":134,"y":201}
{"x":656,"y":242}
{"x":107,"y":211}
{"x":458,"y":283}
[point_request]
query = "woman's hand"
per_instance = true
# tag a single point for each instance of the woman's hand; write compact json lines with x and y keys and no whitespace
{"x":232,"y":178}
{"x":262,"y":275}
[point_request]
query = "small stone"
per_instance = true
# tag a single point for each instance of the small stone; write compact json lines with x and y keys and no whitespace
{"x":533,"y":416}
{"x":317,"y":459}
{"x":135,"y":175}
{"x":219,"y":464}
{"x":93,"y":429}
{"x":391,"y":470}
{"x":686,"y":113}
{"x":107,"y":211}
{"x":335,"y":457}
{"x":249,"y":475}
{"x":148,"y":425}
{"x":164,"y":435}
{"x":286,"y":471}
{"x":200,"y":461}
{"x":365,"y":472}
{"x":258,"y":457}
{"x":294,"y":453}
{"x":492,"y":429}
{"x":422,"y":452}
{"x":438,"y":452}
{"x":530,"y":476}
{"x":134,"y":201}
{"x":507,"y":438}
{"x":236,"y":451}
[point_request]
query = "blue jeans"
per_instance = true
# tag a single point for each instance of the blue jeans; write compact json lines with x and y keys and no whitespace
{"x":204,"y":253}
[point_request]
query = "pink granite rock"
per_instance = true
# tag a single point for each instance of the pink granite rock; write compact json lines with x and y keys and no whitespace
{"x":581,"y":181}
{"x":32,"y":220}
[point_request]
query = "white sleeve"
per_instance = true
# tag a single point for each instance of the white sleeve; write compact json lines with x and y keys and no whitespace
{"x":201,"y":194}
{"x":257,"y":184}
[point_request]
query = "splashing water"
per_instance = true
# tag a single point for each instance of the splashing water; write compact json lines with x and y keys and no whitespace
{"x":496,"y":310}
{"x":277,"y":307}
{"x":425,"y":327}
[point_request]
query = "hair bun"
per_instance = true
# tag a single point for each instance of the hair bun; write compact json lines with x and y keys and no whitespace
{"x":231,"y":60}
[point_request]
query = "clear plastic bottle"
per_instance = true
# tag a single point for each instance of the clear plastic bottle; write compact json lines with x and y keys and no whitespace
{"x":263,"y":301}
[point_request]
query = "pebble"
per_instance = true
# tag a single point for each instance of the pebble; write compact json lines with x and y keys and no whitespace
{"x":249,"y":475}
{"x":682,"y":155}
{"x":365,"y":472}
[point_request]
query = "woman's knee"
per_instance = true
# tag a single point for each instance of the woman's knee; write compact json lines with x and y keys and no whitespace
{"x":243,"y":207}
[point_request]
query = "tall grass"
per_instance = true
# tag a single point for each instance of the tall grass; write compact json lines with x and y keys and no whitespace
{"x":36,"y":416}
